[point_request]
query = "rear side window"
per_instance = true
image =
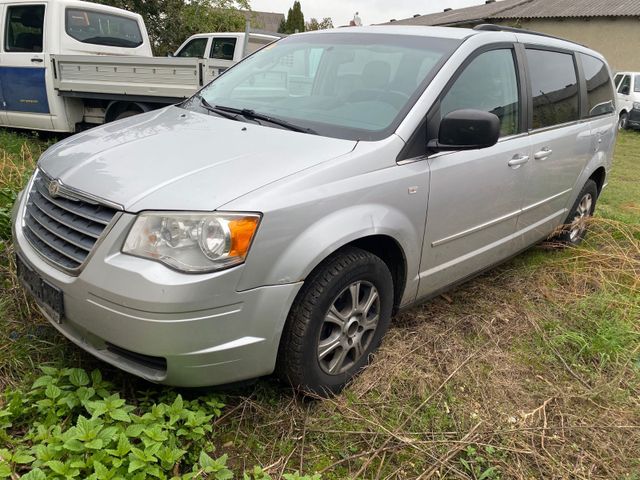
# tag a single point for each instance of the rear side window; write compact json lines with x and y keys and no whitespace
{"x":488,"y":83}
{"x":97,"y":28}
{"x":600,"y":95}
{"x":194,"y":49}
{"x":223,"y":48}
{"x":637,"y":84}
{"x":554,"y":87}
{"x":23,"y":32}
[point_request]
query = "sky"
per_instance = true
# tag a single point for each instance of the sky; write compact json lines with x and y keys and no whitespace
{"x":371,"y":11}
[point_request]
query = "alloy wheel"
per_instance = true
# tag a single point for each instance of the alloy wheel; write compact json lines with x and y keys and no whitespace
{"x":583,"y":212}
{"x":348,"y":328}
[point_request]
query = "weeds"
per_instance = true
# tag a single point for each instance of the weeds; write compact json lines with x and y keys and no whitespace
{"x":530,"y":371}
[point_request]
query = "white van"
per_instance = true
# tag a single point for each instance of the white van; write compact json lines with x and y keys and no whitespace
{"x":628,"y":99}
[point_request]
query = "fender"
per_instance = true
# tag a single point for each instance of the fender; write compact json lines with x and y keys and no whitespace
{"x":602,"y":157}
{"x":391,"y":201}
{"x":337,"y":229}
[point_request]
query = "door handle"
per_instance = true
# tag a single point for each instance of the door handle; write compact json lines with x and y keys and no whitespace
{"x":37,"y":60}
{"x":543,"y":154}
{"x":517,"y":161}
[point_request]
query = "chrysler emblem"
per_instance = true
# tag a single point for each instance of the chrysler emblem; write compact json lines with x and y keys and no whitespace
{"x":54,"y":188}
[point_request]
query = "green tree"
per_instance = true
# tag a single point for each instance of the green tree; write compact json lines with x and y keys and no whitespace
{"x":171,"y":22}
{"x":283,"y":26}
{"x":314,"y":24}
{"x":295,"y":19}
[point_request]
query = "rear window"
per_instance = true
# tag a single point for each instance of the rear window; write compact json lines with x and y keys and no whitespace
{"x":600,"y":96}
{"x":554,"y":86}
{"x":98,"y":28}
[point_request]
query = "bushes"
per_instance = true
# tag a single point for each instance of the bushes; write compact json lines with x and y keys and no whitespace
{"x":71,"y":425}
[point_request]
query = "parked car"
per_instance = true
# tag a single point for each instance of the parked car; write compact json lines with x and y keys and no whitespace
{"x":277,"y":219}
{"x":68,"y":64}
{"x":628,"y":99}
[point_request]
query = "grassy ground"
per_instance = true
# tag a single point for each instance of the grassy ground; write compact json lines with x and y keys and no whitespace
{"x":530,"y":371}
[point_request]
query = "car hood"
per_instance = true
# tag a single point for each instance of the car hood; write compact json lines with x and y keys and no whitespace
{"x":174,"y":159}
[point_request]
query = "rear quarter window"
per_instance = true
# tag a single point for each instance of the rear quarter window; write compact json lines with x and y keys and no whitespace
{"x":98,"y":28}
{"x":600,"y":93}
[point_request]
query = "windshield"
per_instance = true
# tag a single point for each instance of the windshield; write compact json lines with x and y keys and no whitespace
{"x":344,"y":85}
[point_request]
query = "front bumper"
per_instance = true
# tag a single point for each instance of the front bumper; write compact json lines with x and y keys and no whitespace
{"x":165,"y":326}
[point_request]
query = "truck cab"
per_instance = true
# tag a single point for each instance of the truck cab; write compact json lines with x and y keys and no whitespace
{"x":223,"y":50}
{"x":32,"y":31}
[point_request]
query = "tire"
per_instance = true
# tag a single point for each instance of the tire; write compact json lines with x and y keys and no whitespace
{"x":575,"y":228}
{"x":324,"y":315}
{"x":126,"y":114}
{"x":623,"y":122}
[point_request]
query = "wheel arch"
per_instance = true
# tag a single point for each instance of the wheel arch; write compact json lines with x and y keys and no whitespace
{"x":392,"y":254}
{"x":599,"y":176}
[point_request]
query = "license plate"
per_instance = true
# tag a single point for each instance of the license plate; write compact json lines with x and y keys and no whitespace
{"x":48,"y":296}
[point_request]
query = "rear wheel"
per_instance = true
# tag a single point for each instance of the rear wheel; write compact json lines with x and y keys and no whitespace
{"x":126,"y":114}
{"x":575,"y":228}
{"x":337,"y":321}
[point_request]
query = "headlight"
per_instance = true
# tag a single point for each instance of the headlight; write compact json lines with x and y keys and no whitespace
{"x":193,"y":242}
{"x":636,"y":105}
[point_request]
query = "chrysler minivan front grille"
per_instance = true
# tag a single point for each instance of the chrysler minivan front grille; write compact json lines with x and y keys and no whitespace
{"x":63,"y":227}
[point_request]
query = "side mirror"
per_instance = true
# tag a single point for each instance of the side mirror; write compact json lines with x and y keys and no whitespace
{"x":169,"y":54}
{"x":466,"y":130}
{"x":626,"y":90}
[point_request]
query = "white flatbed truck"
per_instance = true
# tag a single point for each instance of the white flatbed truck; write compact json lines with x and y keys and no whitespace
{"x":69,"y":64}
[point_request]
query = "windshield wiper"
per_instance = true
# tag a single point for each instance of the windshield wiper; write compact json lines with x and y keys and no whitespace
{"x":207,"y":106}
{"x":251,"y":114}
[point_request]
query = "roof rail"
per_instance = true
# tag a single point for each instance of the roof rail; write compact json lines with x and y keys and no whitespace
{"x":490,"y":27}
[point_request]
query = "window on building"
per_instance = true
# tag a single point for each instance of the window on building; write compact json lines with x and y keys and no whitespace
{"x":554,"y":87}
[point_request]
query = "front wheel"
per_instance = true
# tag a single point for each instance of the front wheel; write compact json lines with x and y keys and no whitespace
{"x":575,"y":228}
{"x":337,"y":322}
{"x":623,"y":121}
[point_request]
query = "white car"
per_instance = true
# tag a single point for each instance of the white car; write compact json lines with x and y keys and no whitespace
{"x":628,"y":99}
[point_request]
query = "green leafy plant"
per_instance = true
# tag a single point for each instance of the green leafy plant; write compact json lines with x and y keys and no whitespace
{"x":70,"y":425}
{"x":477,"y":463}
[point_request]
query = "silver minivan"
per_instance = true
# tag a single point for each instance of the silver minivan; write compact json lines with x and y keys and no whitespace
{"x":279,"y":218}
